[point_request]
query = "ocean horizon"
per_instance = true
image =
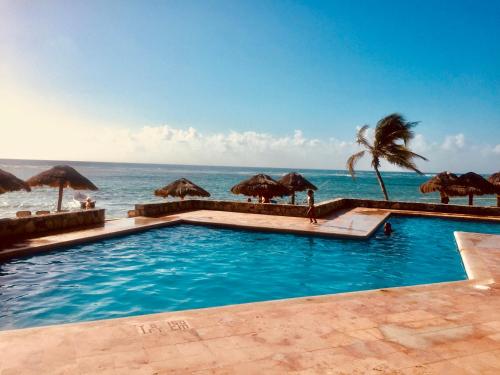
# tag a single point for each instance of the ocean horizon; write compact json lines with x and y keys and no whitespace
{"x":122,"y":185}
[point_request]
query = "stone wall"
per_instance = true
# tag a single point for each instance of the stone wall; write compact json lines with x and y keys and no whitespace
{"x":322,"y":209}
{"x":34,"y":226}
{"x":167,"y":208}
{"x":255,"y":208}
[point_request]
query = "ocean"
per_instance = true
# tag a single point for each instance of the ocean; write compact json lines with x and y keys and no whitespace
{"x":121,"y":185}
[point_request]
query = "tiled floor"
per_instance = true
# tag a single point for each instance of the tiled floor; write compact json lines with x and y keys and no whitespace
{"x":358,"y":222}
{"x":448,"y":328}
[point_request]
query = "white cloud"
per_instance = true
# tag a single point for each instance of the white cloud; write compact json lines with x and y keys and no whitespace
{"x":167,"y":144}
{"x":33,"y":127}
{"x":456,"y":141}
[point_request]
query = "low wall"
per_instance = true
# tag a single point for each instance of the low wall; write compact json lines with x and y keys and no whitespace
{"x":168,"y":208}
{"x":322,"y":209}
{"x":255,"y":208}
{"x":428,"y":207}
{"x":34,"y":226}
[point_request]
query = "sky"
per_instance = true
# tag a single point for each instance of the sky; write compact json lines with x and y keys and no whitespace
{"x":248,"y":83}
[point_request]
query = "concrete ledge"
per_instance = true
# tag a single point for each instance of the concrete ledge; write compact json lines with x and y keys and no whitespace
{"x":35,"y":226}
{"x":480,"y":253}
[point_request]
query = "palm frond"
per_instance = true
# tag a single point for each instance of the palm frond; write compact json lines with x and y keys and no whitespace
{"x":391,"y":142}
{"x":393,"y":128}
{"x":351,"y":162}
{"x":392,"y":137}
{"x":361,"y":137}
{"x":402,"y":162}
{"x":402,"y":151}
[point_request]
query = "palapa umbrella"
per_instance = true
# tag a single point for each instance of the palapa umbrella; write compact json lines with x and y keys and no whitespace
{"x":9,"y":182}
{"x":495,"y":180}
{"x":182,"y":188}
{"x":61,"y":176}
{"x":296,"y":182}
{"x":439,"y":183}
{"x":261,"y":185}
{"x":470,"y":184}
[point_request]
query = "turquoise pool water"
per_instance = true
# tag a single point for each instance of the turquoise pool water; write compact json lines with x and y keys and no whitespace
{"x":186,"y":267}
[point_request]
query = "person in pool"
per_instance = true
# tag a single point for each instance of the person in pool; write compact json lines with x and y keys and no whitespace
{"x":311,"y":212}
{"x":388,"y":229}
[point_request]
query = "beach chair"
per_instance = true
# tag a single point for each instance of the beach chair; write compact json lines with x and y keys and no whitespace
{"x":42,"y":212}
{"x":23,"y":213}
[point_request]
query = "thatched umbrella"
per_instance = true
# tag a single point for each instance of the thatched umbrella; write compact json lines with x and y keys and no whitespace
{"x":9,"y":182}
{"x":261,"y":185}
{"x":470,"y":184}
{"x":439,"y":183}
{"x":296,"y":182}
{"x":61,"y":176}
{"x":182,"y":188}
{"x":495,"y":180}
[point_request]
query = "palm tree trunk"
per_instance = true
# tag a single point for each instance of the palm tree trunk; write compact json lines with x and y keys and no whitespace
{"x":381,"y":183}
{"x":59,"y":199}
{"x":471,"y":197}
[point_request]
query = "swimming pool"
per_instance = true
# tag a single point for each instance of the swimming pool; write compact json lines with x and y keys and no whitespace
{"x":185,"y":266}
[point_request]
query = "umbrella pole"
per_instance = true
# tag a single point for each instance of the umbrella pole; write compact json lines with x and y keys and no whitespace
{"x":471,"y":199}
{"x":498,"y":200}
{"x":443,"y":197}
{"x":59,"y":199}
{"x":293,"y":198}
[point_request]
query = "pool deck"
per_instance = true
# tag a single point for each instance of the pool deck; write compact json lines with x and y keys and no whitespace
{"x":445,"y":328}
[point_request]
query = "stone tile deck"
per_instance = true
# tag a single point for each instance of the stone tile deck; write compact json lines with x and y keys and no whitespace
{"x":357,"y":222}
{"x":446,"y":328}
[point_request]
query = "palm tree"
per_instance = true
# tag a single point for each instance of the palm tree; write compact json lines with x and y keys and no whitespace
{"x":392,"y":136}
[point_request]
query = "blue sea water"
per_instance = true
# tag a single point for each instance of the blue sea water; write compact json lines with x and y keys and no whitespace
{"x":123,"y":185}
{"x":185,"y":267}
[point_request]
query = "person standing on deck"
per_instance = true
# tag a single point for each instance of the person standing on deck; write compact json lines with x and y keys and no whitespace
{"x":311,"y":212}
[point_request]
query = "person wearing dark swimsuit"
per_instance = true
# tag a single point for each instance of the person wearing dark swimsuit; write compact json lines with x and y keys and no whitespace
{"x":311,"y":212}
